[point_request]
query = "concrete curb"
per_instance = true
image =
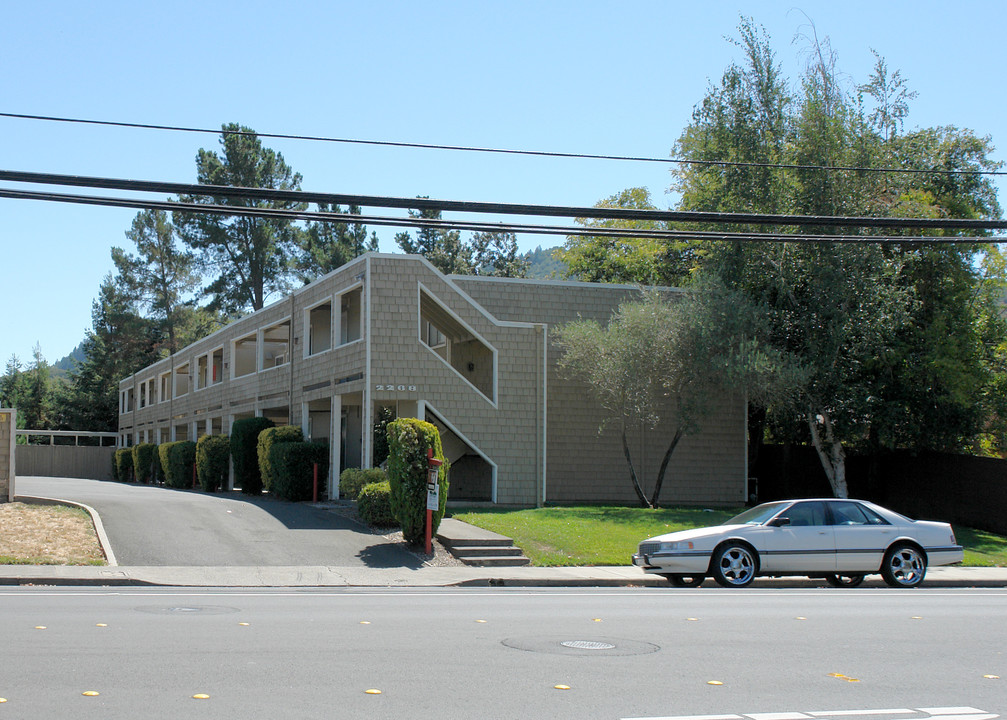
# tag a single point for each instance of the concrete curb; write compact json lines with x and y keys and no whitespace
{"x":99,"y":529}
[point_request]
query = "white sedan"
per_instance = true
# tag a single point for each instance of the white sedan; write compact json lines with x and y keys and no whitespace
{"x":839,"y":540}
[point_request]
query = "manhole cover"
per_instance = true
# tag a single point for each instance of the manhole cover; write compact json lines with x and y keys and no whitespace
{"x":595,"y":647}
{"x":587,"y":645}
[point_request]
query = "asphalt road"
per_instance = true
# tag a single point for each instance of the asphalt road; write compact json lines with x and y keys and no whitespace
{"x":635,"y":653}
{"x":148,"y":525}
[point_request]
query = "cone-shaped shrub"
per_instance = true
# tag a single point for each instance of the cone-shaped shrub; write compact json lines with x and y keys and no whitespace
{"x":408,"y":440}
{"x":144,"y":455}
{"x":177,"y":459}
{"x":123,"y":464}
{"x":244,"y":444}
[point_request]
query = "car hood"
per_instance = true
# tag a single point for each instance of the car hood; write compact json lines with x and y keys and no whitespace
{"x":698,"y":533}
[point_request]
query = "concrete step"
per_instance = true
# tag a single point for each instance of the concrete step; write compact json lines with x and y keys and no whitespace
{"x":474,"y":551}
{"x":496,"y":561}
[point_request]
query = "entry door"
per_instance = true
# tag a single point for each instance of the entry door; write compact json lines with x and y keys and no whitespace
{"x":807,"y":544}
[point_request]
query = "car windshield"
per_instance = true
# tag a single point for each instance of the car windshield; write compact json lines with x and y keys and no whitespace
{"x":757,"y":515}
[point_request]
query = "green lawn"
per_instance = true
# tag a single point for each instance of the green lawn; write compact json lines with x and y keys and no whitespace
{"x":603,"y":535}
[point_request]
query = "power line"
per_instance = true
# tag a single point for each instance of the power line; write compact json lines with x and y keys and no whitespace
{"x":575,"y":230}
{"x":506,"y":151}
{"x":677,"y":216}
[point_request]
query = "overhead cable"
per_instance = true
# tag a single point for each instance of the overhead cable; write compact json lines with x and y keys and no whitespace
{"x":576,"y":230}
{"x":596,"y":213}
{"x":506,"y":151}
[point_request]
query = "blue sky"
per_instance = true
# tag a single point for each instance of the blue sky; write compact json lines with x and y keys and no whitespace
{"x":592,"y":77}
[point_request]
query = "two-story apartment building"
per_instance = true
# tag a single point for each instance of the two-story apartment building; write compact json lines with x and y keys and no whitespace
{"x":473,"y":355}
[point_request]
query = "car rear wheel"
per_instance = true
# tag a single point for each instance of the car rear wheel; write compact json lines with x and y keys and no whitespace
{"x":840,"y":580}
{"x":686,"y":580}
{"x":733,"y":566}
{"x":904,"y":566}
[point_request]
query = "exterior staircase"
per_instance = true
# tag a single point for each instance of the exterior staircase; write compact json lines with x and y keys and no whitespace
{"x":475,"y":546}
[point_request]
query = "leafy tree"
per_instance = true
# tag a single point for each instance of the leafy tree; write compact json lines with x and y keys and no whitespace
{"x":663,"y":359}
{"x":251,"y":256}
{"x":443,"y":248}
{"x":890,"y":337}
{"x":495,"y":254}
{"x":162,"y":274}
{"x":626,"y":259}
{"x":37,"y":401}
{"x":13,"y":389}
{"x":120,"y":343}
{"x":329,"y":245}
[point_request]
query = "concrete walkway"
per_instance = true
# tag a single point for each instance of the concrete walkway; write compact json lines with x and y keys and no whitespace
{"x":417,"y":574}
{"x":320,"y":576}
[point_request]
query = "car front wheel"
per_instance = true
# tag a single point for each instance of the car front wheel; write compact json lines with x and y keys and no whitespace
{"x":734,"y":566}
{"x":904,"y":566}
{"x":685,"y":580}
{"x":839,"y":580}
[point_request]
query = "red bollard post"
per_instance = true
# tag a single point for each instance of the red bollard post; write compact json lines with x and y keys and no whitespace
{"x":194,"y":476}
{"x":314,"y":484}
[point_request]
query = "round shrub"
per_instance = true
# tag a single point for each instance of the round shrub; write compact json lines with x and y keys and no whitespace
{"x":244,"y":443}
{"x":292,"y":465}
{"x":408,"y":440}
{"x":374,"y":505}
{"x":268,"y":438}
{"x":351,"y":480}
{"x":212,"y":455}
{"x":176,"y":461}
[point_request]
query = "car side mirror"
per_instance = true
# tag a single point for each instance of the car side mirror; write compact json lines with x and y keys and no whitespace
{"x":779,"y":522}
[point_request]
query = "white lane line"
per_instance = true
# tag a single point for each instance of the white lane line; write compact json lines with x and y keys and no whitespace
{"x":690,"y":717}
{"x":938,"y":713}
{"x":843,"y":713}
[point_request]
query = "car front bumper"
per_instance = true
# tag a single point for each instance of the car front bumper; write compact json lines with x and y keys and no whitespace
{"x":675,"y":563}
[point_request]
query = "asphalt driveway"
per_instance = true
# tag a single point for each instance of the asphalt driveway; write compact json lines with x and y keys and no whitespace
{"x":157,"y":526}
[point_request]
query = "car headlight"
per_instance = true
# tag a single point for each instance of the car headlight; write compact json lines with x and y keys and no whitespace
{"x":675,"y":546}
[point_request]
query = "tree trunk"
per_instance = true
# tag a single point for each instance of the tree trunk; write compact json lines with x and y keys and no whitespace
{"x":833,"y":462}
{"x":664,"y":466}
{"x":632,"y":471}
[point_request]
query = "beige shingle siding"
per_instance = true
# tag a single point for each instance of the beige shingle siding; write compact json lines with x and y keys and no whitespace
{"x":505,"y":427}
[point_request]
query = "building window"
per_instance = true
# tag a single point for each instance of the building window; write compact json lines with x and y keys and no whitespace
{"x":276,"y":345}
{"x":243,"y":355}
{"x":182,"y":380}
{"x":202,"y":371}
{"x":165,"y":389}
{"x":320,"y":328}
{"x":349,"y":316}
{"x":217,"y":366}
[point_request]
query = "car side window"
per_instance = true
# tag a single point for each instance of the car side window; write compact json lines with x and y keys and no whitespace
{"x":873,"y":517}
{"x":805,"y":514}
{"x":847,"y":513}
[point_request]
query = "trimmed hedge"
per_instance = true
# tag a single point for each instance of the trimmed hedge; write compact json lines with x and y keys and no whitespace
{"x":123,"y":464}
{"x":374,"y":505}
{"x":352,"y":480}
{"x":212,"y":455}
{"x":268,"y":438}
{"x":143,"y":461}
{"x":244,"y":444}
{"x":176,"y":460}
{"x":408,"y":440}
{"x":292,"y":464}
